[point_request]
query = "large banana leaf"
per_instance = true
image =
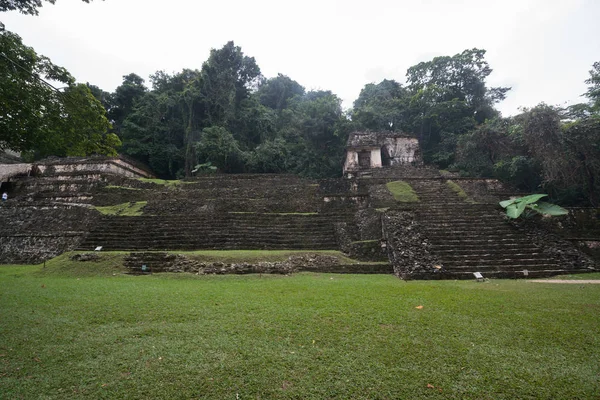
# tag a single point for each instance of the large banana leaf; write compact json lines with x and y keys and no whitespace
{"x":507,"y":203}
{"x":532,"y":198}
{"x":515,"y":210}
{"x":515,"y":207}
{"x":549,"y":209}
{"x":512,"y":211}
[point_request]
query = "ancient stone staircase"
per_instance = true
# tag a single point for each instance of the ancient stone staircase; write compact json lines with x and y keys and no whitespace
{"x":225,"y":231}
{"x":470,"y":238}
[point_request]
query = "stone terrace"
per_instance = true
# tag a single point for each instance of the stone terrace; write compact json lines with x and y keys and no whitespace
{"x":443,"y":236}
{"x":224,"y":212}
{"x":457,"y":236}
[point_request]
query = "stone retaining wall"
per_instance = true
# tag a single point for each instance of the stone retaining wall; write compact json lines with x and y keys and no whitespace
{"x":408,"y":249}
{"x":32,"y":234}
{"x":109,"y":166}
{"x":7,"y":171}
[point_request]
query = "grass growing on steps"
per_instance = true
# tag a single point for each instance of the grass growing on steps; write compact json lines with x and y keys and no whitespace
{"x":460,"y":192}
{"x":402,"y":192}
{"x":132,"y":209}
{"x":121,"y":187}
{"x":273,"y":213}
{"x":165,"y":182}
{"x":305,"y":336}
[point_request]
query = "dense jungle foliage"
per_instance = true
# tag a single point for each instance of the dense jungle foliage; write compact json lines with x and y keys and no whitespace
{"x":229,"y":116}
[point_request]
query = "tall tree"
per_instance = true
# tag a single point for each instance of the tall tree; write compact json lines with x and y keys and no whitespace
{"x":37,"y":118}
{"x":276,"y":93}
{"x":314,"y":132}
{"x":124,"y":98}
{"x":450,"y":98}
{"x":593,"y":92}
{"x":227,"y":78}
{"x":582,"y":140}
{"x":382,"y":106}
{"x":154,"y":131}
{"x":461,"y":77}
{"x":25,"y":6}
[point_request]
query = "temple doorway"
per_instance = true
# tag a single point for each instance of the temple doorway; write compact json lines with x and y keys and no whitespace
{"x":386,"y":158}
{"x":364,"y":159}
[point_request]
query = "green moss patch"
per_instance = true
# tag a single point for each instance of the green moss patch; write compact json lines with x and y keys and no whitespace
{"x":165,"y":182}
{"x":132,"y":209}
{"x":402,"y":192}
{"x":273,"y":213}
{"x":121,"y":187}
{"x":460,"y":192}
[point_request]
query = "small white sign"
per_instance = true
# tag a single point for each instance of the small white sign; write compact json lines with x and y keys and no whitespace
{"x":98,"y":248}
{"x":478,"y":276}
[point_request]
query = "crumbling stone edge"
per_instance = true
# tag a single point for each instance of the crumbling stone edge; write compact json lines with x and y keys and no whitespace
{"x":408,"y":248}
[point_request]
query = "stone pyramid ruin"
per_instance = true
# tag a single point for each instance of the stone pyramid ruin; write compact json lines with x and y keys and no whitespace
{"x":451,"y":228}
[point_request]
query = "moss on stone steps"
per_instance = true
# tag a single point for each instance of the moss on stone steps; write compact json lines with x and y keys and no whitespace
{"x":460,"y":192}
{"x":132,"y":209}
{"x":402,"y":192}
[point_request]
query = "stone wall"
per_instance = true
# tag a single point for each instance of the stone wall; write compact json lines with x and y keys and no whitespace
{"x":483,"y":190}
{"x":32,"y":234}
{"x":10,"y":157}
{"x":166,"y":262}
{"x":408,"y":249}
{"x":401,"y":150}
{"x":547,"y":234}
{"x":581,"y":227}
{"x":115,"y":166}
{"x":7,"y":171}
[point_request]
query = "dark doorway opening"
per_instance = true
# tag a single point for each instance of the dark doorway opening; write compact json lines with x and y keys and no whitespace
{"x":364,"y":159}
{"x":6,"y":187}
{"x":386,"y":158}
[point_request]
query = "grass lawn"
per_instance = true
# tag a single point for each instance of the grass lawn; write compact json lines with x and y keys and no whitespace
{"x":66,"y":334}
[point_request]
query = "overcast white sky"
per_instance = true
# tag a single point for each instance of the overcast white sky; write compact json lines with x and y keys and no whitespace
{"x":542,"y":48}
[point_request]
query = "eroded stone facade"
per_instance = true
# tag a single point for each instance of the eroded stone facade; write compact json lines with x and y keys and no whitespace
{"x":367,"y":150}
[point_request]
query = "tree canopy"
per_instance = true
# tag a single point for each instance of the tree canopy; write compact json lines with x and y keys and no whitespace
{"x":30,"y":7}
{"x":40,"y":120}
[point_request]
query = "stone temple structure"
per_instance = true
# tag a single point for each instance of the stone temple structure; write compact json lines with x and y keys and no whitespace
{"x":390,"y":214}
{"x":367,"y":150}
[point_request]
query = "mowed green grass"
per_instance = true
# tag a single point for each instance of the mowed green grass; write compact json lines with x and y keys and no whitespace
{"x":68,"y":335}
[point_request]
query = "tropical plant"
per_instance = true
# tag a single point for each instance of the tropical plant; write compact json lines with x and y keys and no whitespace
{"x":206,"y":168}
{"x":516,"y":207}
